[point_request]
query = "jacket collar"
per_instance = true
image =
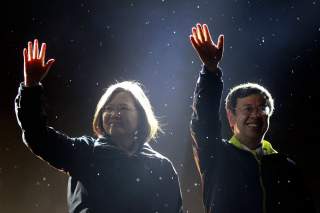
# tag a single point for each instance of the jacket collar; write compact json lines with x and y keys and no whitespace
{"x":265,"y":149}
{"x":104,"y":144}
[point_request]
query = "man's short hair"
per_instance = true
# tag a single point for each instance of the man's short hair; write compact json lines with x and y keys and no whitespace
{"x":245,"y":90}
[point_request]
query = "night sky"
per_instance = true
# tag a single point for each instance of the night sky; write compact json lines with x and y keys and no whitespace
{"x":95,"y":43}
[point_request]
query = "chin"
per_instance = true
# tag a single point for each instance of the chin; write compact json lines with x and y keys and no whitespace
{"x":257,"y":138}
{"x":117,"y":133}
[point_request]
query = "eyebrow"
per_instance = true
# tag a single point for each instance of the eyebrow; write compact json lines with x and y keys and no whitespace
{"x":124,"y":104}
{"x":264,"y":105}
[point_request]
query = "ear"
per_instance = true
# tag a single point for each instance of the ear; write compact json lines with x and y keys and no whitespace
{"x":231,"y":118}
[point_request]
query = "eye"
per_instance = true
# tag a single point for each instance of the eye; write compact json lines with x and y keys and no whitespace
{"x":124,"y":108}
{"x":108,"y":109}
{"x":247,"y":109}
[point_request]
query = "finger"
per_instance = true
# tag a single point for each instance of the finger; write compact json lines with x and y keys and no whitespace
{"x":194,"y":42}
{"x":200,"y":34}
{"x":220,"y":42}
{"x":207,"y":33}
{"x":25,"y":55}
{"x":35,"y":49}
{"x":25,"y":60}
{"x":42,"y":55}
{"x":195,"y":35}
{"x":29,"y":50}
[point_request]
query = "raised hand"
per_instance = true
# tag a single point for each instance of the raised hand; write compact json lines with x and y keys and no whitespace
{"x":35,"y":68}
{"x":209,"y":52}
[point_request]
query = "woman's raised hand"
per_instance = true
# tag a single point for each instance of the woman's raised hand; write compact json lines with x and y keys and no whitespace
{"x":35,"y":68}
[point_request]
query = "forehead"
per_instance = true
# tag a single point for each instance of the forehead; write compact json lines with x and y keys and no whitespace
{"x":122,"y":97}
{"x":255,"y":99}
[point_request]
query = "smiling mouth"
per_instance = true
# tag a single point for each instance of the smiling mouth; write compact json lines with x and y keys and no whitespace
{"x":255,"y":125}
{"x":115,"y":124}
{"x":115,"y":121}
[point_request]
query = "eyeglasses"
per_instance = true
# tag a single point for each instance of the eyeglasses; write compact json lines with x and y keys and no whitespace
{"x":249,"y":109}
{"x":118,"y":109}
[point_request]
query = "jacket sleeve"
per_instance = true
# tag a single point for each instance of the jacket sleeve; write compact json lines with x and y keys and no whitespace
{"x":205,"y":123}
{"x":54,"y":147}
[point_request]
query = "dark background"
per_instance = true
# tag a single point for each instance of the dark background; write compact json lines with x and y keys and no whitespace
{"x":275,"y":43}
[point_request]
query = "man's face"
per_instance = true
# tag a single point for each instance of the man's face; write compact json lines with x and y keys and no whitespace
{"x":120,"y":115}
{"x":251,"y":119}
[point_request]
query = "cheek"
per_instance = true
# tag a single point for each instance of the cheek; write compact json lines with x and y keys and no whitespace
{"x":104,"y":119}
{"x":231,"y":119}
{"x":134,"y":121}
{"x":237,"y":119}
{"x":242,"y":119}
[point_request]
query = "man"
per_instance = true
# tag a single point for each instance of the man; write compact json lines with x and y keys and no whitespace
{"x":244,"y":174}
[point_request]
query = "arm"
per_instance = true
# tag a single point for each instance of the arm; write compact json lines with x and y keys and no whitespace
{"x":52,"y":146}
{"x":205,"y":122}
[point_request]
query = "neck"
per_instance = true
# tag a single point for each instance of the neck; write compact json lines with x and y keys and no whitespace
{"x":250,"y":143}
{"x":125,"y":143}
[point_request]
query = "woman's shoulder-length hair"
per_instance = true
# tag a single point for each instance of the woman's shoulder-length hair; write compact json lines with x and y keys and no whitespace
{"x":148,"y":123}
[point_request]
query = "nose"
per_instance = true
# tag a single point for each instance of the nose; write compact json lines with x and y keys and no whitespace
{"x":115,"y":113}
{"x":256,"y":112}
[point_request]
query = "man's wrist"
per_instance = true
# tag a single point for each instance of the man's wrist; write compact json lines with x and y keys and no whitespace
{"x":211,"y":67}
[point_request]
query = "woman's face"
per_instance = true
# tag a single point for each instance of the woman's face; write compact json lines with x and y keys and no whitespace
{"x":120,"y":116}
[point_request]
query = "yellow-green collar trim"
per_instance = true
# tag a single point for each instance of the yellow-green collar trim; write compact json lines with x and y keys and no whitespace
{"x":266,"y":146}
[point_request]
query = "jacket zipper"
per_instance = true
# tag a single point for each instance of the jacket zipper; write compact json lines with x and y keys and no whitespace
{"x":264,"y":208}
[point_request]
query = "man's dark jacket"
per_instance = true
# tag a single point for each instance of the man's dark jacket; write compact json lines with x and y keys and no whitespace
{"x":102,"y":178}
{"x":234,"y":180}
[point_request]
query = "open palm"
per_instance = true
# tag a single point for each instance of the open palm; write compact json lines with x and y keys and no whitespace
{"x":209,"y":52}
{"x":35,"y":68}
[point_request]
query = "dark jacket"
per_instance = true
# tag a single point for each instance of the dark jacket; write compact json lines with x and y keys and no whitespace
{"x":102,"y":178}
{"x":234,"y":180}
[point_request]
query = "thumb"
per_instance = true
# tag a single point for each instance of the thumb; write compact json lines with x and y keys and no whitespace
{"x":25,"y":60}
{"x":49,"y":64}
{"x":220,"y":42}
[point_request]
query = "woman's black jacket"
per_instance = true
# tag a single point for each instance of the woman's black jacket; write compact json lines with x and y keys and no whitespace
{"x":101,"y":177}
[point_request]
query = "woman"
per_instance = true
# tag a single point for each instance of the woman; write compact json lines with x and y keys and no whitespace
{"x":118,"y":171}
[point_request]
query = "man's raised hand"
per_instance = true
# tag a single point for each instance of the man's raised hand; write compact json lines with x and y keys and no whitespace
{"x":209,"y":52}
